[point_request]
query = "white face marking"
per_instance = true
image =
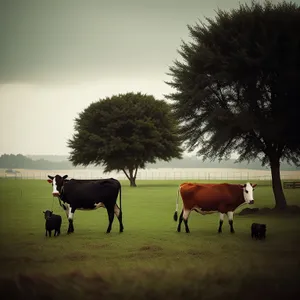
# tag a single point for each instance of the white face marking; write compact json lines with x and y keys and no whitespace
{"x":248,"y":193}
{"x":221,"y":216}
{"x":54,"y":191}
{"x":230,"y":215}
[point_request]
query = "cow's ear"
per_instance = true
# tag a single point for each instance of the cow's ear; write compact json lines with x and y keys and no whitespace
{"x":51,"y":177}
{"x":66,"y":176}
{"x":242,"y":186}
{"x":49,"y":180}
{"x":254,"y":185}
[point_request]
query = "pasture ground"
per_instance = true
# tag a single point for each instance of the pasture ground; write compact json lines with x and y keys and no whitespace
{"x":150,"y":260}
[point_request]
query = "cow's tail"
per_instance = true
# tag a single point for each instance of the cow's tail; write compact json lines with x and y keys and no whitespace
{"x":120,"y":197}
{"x":175,"y":217}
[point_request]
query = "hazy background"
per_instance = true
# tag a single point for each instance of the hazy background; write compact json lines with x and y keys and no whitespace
{"x":58,"y":56}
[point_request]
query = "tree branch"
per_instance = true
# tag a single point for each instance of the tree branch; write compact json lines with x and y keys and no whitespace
{"x":135,"y":172}
{"x":126,"y":174}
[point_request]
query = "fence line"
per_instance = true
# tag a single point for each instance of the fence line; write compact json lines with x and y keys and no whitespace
{"x":162,"y":174}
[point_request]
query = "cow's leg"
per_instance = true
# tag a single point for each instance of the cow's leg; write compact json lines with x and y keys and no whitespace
{"x":185,"y":216}
{"x":180,"y":221}
{"x":70,"y":218}
{"x":111,"y":215}
{"x":46,"y":232}
{"x":49,"y":233}
{"x":221,"y":222}
{"x":230,"y":220}
{"x":118,"y":214}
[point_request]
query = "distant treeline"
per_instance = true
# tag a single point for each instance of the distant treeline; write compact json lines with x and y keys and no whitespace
{"x":60,"y":162}
{"x":11,"y":161}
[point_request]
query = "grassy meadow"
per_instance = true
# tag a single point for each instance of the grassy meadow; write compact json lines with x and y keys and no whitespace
{"x":149,"y":260}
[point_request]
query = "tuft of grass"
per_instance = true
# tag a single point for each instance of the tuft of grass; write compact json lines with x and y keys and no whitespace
{"x":149,"y":260}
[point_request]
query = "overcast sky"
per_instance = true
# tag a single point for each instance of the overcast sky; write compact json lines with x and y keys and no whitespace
{"x":58,"y":56}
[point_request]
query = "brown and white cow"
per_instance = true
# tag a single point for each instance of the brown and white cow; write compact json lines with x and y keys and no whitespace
{"x":210,"y":198}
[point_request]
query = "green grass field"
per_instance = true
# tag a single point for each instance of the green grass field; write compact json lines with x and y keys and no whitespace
{"x":149,"y":260}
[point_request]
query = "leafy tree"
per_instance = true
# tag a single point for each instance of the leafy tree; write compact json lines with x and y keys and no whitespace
{"x":124,"y":133}
{"x":238,"y":87}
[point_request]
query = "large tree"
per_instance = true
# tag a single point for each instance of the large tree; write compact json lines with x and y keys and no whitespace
{"x":238,"y":86}
{"x":124,"y":133}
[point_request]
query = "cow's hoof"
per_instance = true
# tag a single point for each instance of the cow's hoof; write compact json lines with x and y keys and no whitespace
{"x":232,"y":231}
{"x":219,"y":231}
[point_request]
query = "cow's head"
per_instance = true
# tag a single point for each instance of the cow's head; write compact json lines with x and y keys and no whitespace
{"x":248,"y":189}
{"x":48,"y":214}
{"x":57,"y":184}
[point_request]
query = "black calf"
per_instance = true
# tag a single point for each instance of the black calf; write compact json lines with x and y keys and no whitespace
{"x":258,"y":231}
{"x":53,"y":222}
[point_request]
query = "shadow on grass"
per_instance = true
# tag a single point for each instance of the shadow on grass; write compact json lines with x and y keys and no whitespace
{"x":289,"y":210}
{"x":155,"y":284}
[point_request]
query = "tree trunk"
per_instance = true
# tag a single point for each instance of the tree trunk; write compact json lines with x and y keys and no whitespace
{"x":280,"y":201}
{"x":132,"y":182}
{"x":131,"y":176}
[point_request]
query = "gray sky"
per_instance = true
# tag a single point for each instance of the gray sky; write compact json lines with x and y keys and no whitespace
{"x":58,"y":56}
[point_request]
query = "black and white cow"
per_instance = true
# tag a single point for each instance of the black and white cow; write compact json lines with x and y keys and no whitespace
{"x":88,"y":195}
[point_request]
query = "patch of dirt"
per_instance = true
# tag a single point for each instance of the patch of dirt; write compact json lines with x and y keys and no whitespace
{"x":97,"y":246}
{"x":151,"y":248}
{"x":194,"y":252}
{"x":291,"y":209}
{"x":75,"y":256}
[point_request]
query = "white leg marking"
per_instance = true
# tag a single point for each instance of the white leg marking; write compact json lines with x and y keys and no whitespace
{"x":67,"y":209}
{"x":117,"y":210}
{"x":186,"y":214}
{"x":230,"y":215}
{"x":221,"y":216}
{"x":70,"y":217}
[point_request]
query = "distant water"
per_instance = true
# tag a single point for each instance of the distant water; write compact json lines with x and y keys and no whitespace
{"x":162,"y":174}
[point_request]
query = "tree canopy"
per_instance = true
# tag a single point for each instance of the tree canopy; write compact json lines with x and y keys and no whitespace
{"x":237,"y":86}
{"x":125,"y":132}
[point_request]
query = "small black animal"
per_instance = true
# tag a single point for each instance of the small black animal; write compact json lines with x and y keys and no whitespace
{"x":258,"y":231}
{"x":53,"y":222}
